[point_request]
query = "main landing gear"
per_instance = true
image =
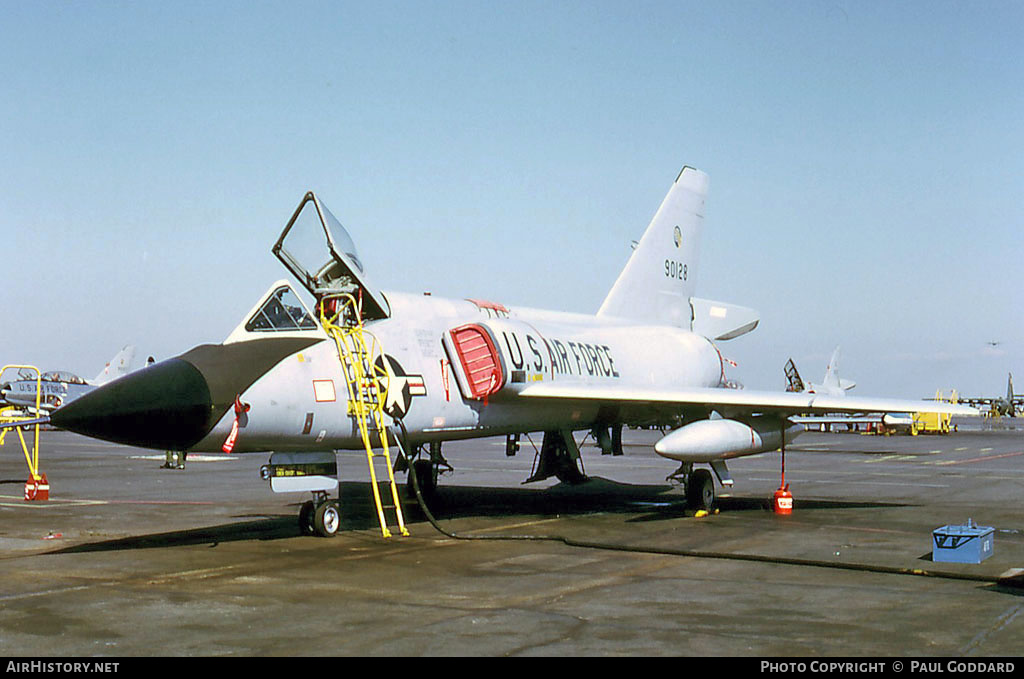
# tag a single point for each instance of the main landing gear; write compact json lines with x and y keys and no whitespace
{"x":320,"y":516}
{"x":559,"y":457}
{"x":427,"y":465}
{"x":699,"y":485}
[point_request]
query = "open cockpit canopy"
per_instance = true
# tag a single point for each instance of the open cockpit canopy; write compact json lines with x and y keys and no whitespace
{"x":319,"y":252}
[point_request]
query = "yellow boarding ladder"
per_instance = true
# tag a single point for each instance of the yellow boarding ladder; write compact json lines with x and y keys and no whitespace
{"x":367,"y":392}
{"x":31,"y":458}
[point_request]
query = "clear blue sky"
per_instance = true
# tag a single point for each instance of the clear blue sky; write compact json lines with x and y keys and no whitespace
{"x":866,"y":164}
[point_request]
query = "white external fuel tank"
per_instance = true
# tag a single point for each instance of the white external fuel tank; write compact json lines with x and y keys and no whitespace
{"x":707,"y":440}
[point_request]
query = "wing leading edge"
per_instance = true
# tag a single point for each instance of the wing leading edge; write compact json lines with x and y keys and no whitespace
{"x":783,"y":403}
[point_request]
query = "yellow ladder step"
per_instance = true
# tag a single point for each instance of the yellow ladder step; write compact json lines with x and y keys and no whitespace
{"x":367,"y":391}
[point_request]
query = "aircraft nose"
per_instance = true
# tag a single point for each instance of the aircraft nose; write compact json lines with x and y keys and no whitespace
{"x":174,"y":404}
{"x":166,"y":405}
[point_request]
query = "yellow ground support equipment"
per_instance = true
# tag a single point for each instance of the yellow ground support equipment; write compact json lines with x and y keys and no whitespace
{"x":37,"y":487}
{"x":934,"y":423}
{"x":367,"y":390}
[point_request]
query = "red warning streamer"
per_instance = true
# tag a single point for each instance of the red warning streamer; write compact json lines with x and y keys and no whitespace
{"x":229,"y":443}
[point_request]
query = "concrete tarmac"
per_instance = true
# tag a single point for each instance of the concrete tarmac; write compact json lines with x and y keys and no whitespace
{"x":128,"y":559}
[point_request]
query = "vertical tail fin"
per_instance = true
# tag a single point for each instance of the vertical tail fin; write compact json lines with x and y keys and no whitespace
{"x":831,"y":378}
{"x":120,"y":365}
{"x":658,"y":280}
{"x":833,"y":382}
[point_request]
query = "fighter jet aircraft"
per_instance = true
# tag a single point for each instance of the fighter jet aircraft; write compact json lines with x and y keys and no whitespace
{"x":833,"y":385}
{"x":1007,"y":406}
{"x":59,"y":387}
{"x":301,"y":382}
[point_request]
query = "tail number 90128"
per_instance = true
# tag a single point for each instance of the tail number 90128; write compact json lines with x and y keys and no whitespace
{"x":675,"y":270}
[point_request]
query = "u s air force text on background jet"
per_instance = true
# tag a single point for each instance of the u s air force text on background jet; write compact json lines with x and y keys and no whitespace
{"x":831,"y":666}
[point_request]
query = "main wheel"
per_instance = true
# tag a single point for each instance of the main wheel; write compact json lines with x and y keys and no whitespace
{"x":426,"y":479}
{"x":567,"y":471}
{"x":327,"y":520}
{"x":306,"y":517}
{"x":700,"y":490}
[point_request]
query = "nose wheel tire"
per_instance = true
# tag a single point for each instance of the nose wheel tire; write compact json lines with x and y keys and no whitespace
{"x":327,"y":520}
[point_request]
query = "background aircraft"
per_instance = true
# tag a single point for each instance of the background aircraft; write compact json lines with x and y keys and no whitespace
{"x":835,"y":386}
{"x":1006,"y":406}
{"x":831,"y":384}
{"x":371,"y":367}
{"x":60,"y":387}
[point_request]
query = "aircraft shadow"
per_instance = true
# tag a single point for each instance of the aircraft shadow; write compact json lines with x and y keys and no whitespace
{"x":272,"y":528}
{"x":1011,"y":588}
{"x":752,"y":504}
{"x":359,"y":513}
{"x":599,"y":495}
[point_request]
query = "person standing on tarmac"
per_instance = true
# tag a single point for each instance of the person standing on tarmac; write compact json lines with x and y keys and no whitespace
{"x":170,"y":463}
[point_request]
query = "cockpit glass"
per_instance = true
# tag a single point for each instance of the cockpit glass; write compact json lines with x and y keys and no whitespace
{"x":281,"y":312}
{"x":61,"y":376}
{"x":308,"y":241}
{"x":342,"y":240}
{"x":305,"y":242}
{"x":320,"y":253}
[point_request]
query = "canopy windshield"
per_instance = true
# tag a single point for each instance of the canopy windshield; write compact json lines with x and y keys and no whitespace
{"x":318,"y":250}
{"x":281,"y":312}
{"x":60,"y":376}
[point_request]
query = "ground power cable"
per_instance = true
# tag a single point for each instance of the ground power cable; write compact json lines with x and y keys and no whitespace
{"x":1016,"y":582}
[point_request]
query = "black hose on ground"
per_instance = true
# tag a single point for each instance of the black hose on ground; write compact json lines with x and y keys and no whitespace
{"x":698,"y":554}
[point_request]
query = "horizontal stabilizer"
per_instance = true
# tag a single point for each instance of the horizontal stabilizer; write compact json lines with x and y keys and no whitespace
{"x":721,"y":321}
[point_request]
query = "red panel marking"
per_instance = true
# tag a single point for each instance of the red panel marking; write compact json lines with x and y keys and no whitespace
{"x":479,"y":358}
{"x":484,"y":304}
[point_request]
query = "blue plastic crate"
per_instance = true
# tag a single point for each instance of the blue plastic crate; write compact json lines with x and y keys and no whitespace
{"x":969,"y":543}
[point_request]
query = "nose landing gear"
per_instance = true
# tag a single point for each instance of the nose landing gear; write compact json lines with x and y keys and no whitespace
{"x":320,"y":516}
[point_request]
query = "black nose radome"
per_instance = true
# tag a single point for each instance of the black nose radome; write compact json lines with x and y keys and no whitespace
{"x":174,"y":404}
{"x":166,"y":405}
